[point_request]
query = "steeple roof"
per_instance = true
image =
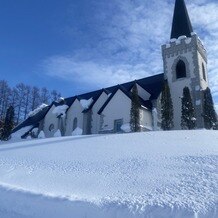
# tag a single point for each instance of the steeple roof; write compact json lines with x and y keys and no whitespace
{"x":181,"y":22}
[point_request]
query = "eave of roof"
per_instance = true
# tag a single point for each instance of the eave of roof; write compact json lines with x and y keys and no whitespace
{"x":118,"y":87}
{"x":95,"y":100}
{"x":146,"y":104}
{"x":34,"y":120}
{"x":152,"y":84}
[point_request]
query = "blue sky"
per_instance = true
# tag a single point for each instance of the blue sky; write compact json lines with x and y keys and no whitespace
{"x":81,"y":45}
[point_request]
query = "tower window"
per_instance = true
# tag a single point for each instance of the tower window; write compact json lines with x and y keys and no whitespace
{"x":180,"y":69}
{"x":203,"y":70}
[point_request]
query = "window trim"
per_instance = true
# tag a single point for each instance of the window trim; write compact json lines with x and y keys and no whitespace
{"x":51,"y":127}
{"x":75,"y":123}
{"x":181,"y":69}
{"x":204,"y":72}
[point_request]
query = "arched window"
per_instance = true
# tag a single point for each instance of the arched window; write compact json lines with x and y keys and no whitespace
{"x":74,"y":123}
{"x":203,"y":70}
{"x":51,"y":127}
{"x":180,"y":69}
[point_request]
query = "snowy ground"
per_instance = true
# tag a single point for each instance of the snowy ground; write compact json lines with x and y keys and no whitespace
{"x":153,"y":174}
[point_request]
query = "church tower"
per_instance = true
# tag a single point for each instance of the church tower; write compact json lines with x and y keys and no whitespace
{"x":185,"y":64}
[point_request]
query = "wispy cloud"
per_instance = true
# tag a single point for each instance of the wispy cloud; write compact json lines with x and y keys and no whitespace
{"x":91,"y":73}
{"x":126,"y":45}
{"x":120,"y":41}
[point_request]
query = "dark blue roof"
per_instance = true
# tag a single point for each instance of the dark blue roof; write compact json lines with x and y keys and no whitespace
{"x":33,"y":120}
{"x":95,"y":99}
{"x":146,"y":104}
{"x":181,"y":23}
{"x":152,"y":84}
{"x":118,"y":87}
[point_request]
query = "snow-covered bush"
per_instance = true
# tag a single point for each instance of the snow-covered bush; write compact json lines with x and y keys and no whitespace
{"x":34,"y":133}
{"x":126,"y":127}
{"x":57,"y":133}
{"x":41,"y":135}
{"x":77,"y":131}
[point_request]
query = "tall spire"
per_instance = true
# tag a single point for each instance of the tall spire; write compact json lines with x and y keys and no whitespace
{"x":181,"y":22}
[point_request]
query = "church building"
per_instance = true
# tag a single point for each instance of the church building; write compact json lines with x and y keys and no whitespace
{"x":108,"y":110}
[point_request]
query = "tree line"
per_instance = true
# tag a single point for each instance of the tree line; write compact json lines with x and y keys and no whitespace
{"x":23,"y":98}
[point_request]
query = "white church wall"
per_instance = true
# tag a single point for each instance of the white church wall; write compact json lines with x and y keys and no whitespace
{"x":117,"y":108}
{"x":203,"y":83}
{"x":95,"y":116}
{"x":49,"y":120}
{"x":75,"y":111}
{"x":146,"y":120}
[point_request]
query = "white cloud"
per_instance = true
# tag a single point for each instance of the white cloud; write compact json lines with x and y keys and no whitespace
{"x":204,"y":17}
{"x":93,"y":74}
{"x":128,"y":43}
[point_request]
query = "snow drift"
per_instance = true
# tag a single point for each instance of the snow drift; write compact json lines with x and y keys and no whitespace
{"x":153,"y":174}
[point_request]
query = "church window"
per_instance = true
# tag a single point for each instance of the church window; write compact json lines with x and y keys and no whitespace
{"x":74,"y":123}
{"x":117,"y":125}
{"x":180,"y":69}
{"x":51,"y":127}
{"x":204,"y":73}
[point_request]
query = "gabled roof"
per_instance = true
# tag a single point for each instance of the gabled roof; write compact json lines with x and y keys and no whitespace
{"x":181,"y":22}
{"x":95,"y":99}
{"x":128,"y":93}
{"x":33,"y":120}
{"x":152,"y":84}
{"x":118,"y":87}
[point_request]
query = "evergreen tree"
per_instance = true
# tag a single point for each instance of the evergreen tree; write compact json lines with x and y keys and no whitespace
{"x":188,"y":120}
{"x":166,"y":108}
{"x":8,"y":124}
{"x":134,"y":111}
{"x":209,"y":113}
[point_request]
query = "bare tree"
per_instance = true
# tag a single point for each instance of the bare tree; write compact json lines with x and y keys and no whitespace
{"x":55,"y":95}
{"x":35,"y":98}
{"x":45,"y":96}
{"x":5,"y":92}
{"x":27,"y":101}
{"x":23,"y":99}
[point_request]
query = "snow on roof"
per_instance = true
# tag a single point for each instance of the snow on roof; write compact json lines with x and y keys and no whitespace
{"x":37,"y":110}
{"x":61,"y":99}
{"x":152,"y":84}
{"x":86,"y":103}
{"x":20,"y":132}
{"x":60,"y":110}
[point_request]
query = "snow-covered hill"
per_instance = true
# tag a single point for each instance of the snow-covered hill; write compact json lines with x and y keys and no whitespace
{"x":152,"y":174}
